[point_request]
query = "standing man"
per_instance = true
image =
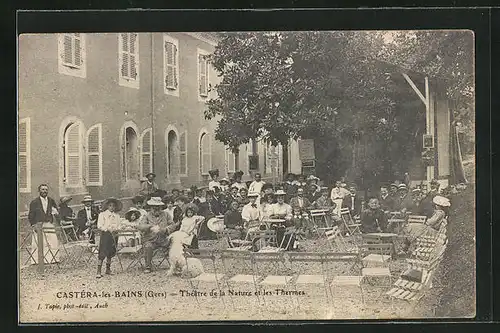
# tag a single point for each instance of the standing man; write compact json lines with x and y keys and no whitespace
{"x":352,"y":201}
{"x":87,"y":218}
{"x":149,"y":186}
{"x":42,"y":212}
{"x":256,"y":185}
{"x":386,"y":200}
{"x":337,"y":195}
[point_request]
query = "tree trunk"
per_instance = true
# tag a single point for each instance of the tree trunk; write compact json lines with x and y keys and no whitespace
{"x":237,"y":160}
{"x":284,"y":158}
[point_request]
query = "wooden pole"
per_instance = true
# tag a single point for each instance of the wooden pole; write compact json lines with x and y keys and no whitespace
{"x":39,"y":236}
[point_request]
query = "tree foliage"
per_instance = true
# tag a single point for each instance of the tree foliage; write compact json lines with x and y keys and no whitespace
{"x":333,"y":87}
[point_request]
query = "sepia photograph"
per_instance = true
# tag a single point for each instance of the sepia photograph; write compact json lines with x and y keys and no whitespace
{"x":242,"y":176}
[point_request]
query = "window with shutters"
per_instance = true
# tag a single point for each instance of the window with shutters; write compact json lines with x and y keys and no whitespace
{"x":72,"y":54}
{"x":128,"y":60}
{"x":94,"y":156}
{"x":205,"y":154}
{"x":203,"y":75}
{"x":24,"y":161}
{"x":170,"y":65}
{"x":146,"y":152}
{"x":72,"y":155}
{"x":130,"y":154}
{"x":230,"y":160}
{"x":183,"y":169}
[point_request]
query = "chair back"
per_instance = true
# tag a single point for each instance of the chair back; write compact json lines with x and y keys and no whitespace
{"x":287,"y":237}
{"x":317,"y":212}
{"x":385,"y":249}
{"x":417,"y":218}
{"x":333,"y":233}
{"x":200,"y":253}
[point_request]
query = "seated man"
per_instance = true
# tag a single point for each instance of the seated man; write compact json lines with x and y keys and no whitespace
{"x":300,"y":206}
{"x":281,"y":210}
{"x":373,"y":219}
{"x":155,"y":228}
{"x":326,"y":203}
{"x":353,"y":202}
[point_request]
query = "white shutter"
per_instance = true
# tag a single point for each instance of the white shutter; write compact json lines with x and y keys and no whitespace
{"x":205,"y":154}
{"x":78,"y":51}
{"x":170,"y":79}
{"x":183,"y":153}
{"x":73,"y":155}
{"x":146,"y":152}
{"x":94,"y":155}
{"x":134,"y":51}
{"x":67,"y":54}
{"x":124,"y":52}
{"x":202,"y":80}
{"x":24,"y":156}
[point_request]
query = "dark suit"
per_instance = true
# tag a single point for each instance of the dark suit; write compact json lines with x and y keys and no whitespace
{"x":347,"y":203}
{"x":36,"y":213}
{"x":81,"y":218}
{"x":387,"y":203}
{"x":371,"y":219}
{"x":294,"y":202}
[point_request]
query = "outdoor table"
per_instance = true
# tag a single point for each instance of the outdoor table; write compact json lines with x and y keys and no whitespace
{"x":397,"y":223}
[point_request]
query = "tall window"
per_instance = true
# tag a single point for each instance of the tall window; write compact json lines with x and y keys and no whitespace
{"x":203,"y":75}
{"x":128,"y":58}
{"x":130,"y":147}
{"x":205,"y":153}
{"x":24,"y":155}
{"x":171,"y":65}
{"x":146,"y":152}
{"x":94,"y":156}
{"x":230,"y":160}
{"x":72,"y":153}
{"x":72,"y":54}
{"x":172,"y":140}
{"x":183,"y":154}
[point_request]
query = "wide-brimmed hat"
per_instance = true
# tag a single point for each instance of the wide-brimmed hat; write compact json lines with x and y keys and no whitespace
{"x":441,"y":201}
{"x":191,"y":206}
{"x":138,"y":198}
{"x":394,"y":185}
{"x":324,"y":189}
{"x":402,"y":187}
{"x":155,"y":201}
{"x":416,"y":190}
{"x":279,"y":192}
{"x":118,"y":203}
{"x":213,"y":172}
{"x":215,"y":224}
{"x":252,"y":194}
{"x":224,"y":180}
{"x":131,"y":211}
{"x":150,"y":174}
{"x":87,"y":198}
{"x":65,"y":199}
{"x":312,"y":177}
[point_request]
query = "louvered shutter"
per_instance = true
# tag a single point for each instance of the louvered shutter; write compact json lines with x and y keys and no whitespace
{"x":94,"y":156}
{"x":73,"y":155}
{"x":202,"y":65}
{"x":146,"y":153}
{"x":68,"y":50}
{"x":125,"y":56}
{"x":78,"y":51}
{"x":133,"y":58}
{"x":205,"y":153}
{"x":183,"y":153}
{"x":170,"y":65}
{"x":23,"y":158}
{"x":174,"y":65}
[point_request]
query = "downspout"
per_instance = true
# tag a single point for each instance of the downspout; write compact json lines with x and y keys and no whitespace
{"x":152,"y":105}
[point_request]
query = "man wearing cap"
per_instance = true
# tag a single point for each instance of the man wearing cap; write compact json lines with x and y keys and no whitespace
{"x":427,"y":205}
{"x":405,"y":202}
{"x":214,"y":174}
{"x":386,"y":200}
{"x":149,"y":187}
{"x":86,"y":218}
{"x":157,"y":225}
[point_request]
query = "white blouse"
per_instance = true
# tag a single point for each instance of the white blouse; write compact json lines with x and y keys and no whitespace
{"x":108,"y":221}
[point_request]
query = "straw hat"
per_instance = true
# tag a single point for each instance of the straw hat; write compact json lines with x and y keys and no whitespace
{"x":131,"y":211}
{"x":155,"y":201}
{"x":215,"y":224}
{"x":65,"y":199}
{"x":402,"y":187}
{"x":252,"y":194}
{"x":118,"y":203}
{"x":441,"y":201}
{"x":279,"y":192}
{"x":87,"y":198}
{"x":150,"y":174}
{"x":224,"y":180}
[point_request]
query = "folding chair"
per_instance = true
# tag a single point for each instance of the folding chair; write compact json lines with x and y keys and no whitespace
{"x":136,"y":251}
{"x":334,"y":236}
{"x":373,"y":251}
{"x":214,"y":277}
{"x":320,"y":220}
{"x":417,"y":218}
{"x":26,"y":244}
{"x":351,"y":226}
{"x":244,"y":258}
{"x":235,"y":244}
{"x":68,"y":227}
{"x":264,"y":238}
{"x":284,"y":244}
{"x":309,"y":279}
{"x":274,"y":280}
{"x":53,"y":253}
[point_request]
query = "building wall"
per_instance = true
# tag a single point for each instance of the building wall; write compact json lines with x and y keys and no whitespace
{"x":52,"y":100}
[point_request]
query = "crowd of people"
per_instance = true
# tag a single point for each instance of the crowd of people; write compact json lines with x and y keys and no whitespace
{"x":238,"y":207}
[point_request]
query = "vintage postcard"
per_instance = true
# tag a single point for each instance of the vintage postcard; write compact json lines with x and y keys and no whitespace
{"x":265,"y":175}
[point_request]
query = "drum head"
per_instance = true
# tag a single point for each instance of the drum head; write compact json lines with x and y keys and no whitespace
{"x":215,"y":224}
